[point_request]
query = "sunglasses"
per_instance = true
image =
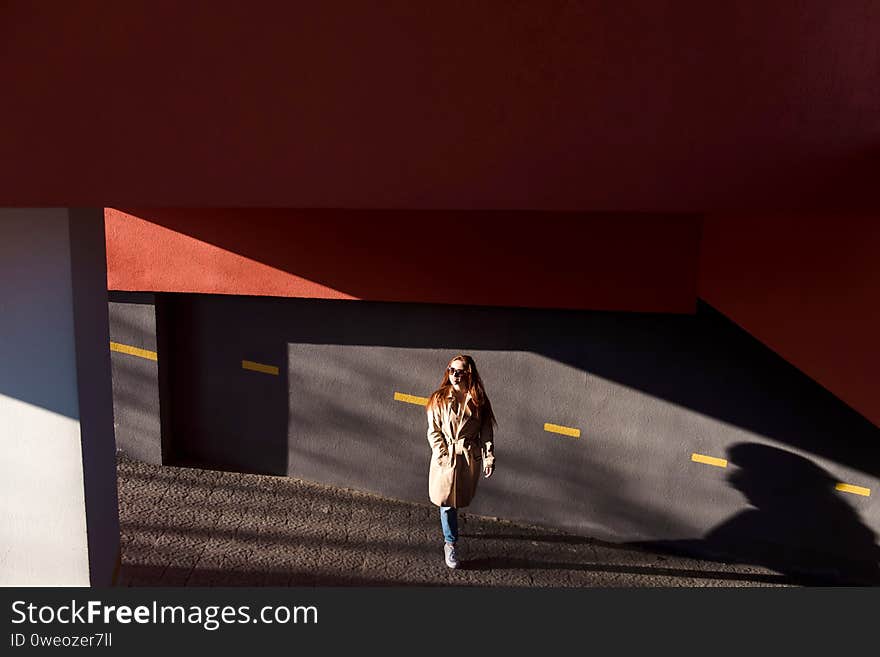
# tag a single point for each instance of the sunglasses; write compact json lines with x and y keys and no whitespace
{"x":456,"y":372}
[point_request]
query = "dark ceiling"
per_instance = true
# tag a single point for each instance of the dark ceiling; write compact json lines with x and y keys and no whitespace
{"x":583,"y":106}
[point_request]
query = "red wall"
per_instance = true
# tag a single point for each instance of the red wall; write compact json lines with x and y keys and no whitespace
{"x":555,"y":260}
{"x":808,"y":287}
{"x":598,"y":105}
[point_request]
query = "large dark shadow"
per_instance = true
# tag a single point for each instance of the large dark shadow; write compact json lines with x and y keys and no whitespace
{"x":36,"y":323}
{"x":220,"y":415}
{"x":798,"y":525}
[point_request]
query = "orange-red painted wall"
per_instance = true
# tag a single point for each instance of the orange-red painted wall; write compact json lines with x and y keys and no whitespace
{"x":551,"y":260}
{"x":808,"y":287}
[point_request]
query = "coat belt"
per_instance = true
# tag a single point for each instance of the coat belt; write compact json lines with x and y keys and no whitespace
{"x":450,"y":447}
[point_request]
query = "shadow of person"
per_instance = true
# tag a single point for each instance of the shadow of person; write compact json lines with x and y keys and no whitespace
{"x":798,"y":524}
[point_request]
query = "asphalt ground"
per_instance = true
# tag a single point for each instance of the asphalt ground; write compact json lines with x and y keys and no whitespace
{"x":184,"y":526}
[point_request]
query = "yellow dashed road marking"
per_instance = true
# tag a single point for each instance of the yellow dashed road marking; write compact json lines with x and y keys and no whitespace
{"x":133,"y":351}
{"x":410,"y":399}
{"x":565,"y":431}
{"x":259,"y":367}
{"x":709,"y":460}
{"x":855,"y":490}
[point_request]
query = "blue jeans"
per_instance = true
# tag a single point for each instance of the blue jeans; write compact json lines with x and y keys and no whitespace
{"x":449,"y":522}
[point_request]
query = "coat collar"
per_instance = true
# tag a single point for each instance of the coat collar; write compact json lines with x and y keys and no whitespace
{"x":467,"y":401}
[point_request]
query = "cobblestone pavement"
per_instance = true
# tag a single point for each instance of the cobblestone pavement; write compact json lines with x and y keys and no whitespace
{"x":191,"y":527}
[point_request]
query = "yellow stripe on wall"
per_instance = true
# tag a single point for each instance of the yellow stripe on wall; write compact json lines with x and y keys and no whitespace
{"x":410,"y":399}
{"x":855,"y":490}
{"x":709,"y":460}
{"x":133,"y":351}
{"x":259,"y":367}
{"x":565,"y":431}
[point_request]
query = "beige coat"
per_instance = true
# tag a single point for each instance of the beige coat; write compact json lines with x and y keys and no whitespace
{"x":461,"y":447}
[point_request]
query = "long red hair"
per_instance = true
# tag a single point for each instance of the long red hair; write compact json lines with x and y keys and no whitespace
{"x":475,"y":388}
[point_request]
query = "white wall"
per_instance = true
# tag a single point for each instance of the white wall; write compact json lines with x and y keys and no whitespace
{"x":49,"y":455}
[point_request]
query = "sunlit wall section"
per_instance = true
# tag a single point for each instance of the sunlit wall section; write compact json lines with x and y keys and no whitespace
{"x":623,"y":262}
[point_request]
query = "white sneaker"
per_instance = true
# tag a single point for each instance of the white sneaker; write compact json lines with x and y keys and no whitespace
{"x":451,"y":555}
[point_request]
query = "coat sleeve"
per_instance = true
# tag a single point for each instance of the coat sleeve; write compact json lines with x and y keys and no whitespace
{"x":487,"y":443}
{"x":435,"y":435}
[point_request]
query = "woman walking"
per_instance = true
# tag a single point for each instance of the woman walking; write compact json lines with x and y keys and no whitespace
{"x":461,"y":435}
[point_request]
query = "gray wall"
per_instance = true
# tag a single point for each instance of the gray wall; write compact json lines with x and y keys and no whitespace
{"x":646,"y":391}
{"x":136,"y":408}
{"x":59,"y":522}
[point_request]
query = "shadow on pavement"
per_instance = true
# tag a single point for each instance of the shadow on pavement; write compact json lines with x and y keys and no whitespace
{"x":139,"y":575}
{"x":186,"y":527}
{"x":497,"y":563}
{"x":799,"y":525}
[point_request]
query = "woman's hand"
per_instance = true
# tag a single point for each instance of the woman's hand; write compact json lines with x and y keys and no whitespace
{"x":488,"y":470}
